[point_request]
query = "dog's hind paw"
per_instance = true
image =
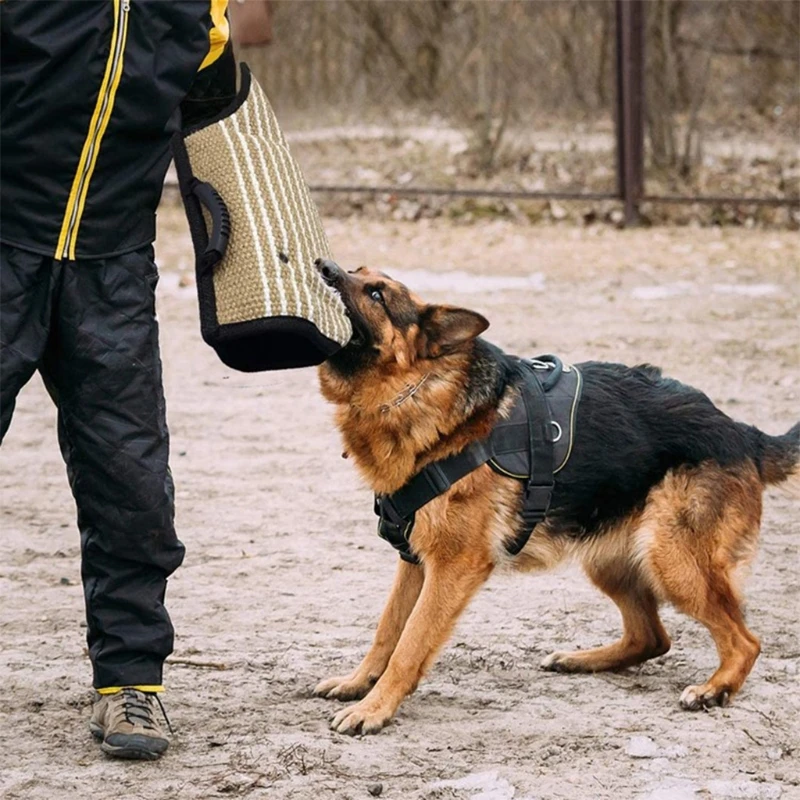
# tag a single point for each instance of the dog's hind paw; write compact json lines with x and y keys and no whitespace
{"x":693,"y":698}
{"x":561,"y":662}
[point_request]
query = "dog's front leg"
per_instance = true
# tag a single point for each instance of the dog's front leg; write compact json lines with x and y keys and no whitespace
{"x":402,"y":597}
{"x":447,"y":589}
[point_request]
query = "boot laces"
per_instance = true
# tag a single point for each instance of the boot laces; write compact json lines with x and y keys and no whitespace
{"x":138,"y":708}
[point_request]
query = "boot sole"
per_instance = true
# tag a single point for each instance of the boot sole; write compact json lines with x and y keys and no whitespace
{"x":133,"y":753}
{"x":129,"y":750}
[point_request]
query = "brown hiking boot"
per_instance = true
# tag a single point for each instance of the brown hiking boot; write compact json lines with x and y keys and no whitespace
{"x":126,"y":722}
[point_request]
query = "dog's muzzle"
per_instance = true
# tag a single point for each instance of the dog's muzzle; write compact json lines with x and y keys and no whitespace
{"x":330,"y":271}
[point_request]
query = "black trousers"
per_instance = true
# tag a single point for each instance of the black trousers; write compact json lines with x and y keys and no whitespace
{"x":90,"y":328}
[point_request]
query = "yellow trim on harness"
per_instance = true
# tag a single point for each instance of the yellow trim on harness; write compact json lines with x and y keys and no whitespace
{"x":73,"y":193}
{"x":572,"y":420}
{"x":117,"y":77}
{"x":219,"y":34}
{"x":496,"y":466}
{"x":115,"y":689}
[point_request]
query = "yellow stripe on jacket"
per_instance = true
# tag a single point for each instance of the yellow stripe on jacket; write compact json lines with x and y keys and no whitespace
{"x":117,"y":77}
{"x":73,"y":193}
{"x":219,"y":34}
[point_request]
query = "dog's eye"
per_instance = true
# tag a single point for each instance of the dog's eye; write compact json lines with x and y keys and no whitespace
{"x":377,"y":296}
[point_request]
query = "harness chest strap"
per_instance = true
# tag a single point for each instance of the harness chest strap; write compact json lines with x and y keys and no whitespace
{"x":397,"y":511}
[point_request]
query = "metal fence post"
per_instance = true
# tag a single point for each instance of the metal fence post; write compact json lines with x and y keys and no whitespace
{"x":630,"y":106}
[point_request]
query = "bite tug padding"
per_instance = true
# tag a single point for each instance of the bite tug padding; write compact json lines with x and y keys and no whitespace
{"x":256,"y":234}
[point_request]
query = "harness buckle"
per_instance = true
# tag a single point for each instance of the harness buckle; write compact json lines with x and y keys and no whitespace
{"x":537,"y":499}
{"x":534,"y":510}
{"x":386,"y":509}
{"x":395,"y":529}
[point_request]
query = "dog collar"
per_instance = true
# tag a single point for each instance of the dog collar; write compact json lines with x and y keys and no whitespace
{"x":409,"y":391}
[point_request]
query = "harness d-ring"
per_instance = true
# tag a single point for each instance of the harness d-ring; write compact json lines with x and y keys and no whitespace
{"x":559,"y":432}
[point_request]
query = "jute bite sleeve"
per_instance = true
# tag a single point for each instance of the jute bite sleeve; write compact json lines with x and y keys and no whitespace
{"x":257,"y":235}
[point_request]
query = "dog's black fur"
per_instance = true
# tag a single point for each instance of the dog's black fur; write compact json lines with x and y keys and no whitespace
{"x":633,"y":425}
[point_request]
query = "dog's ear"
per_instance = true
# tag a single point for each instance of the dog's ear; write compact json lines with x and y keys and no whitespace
{"x":444,"y":329}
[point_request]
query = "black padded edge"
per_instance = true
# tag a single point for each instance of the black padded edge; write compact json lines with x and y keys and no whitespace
{"x":271,"y":343}
{"x":241,"y":96}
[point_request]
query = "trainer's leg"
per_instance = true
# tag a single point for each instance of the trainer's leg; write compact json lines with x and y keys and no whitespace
{"x":104,"y":370}
{"x":26,"y":288}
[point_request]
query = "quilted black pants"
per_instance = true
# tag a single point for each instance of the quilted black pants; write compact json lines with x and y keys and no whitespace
{"x":89,"y":327}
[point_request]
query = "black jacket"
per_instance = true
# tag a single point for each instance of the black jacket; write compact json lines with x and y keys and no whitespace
{"x":89,"y":97}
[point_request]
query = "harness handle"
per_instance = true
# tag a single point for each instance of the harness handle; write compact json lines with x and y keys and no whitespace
{"x":554,"y":366}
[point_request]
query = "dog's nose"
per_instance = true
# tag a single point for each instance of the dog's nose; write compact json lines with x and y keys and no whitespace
{"x":331,"y":272}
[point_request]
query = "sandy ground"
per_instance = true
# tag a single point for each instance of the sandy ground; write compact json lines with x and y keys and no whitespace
{"x":285,"y":578}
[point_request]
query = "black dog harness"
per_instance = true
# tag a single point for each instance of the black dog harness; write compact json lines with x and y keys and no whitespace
{"x":531,"y":444}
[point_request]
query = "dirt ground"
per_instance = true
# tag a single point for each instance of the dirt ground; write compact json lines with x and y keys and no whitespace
{"x":284,"y":576}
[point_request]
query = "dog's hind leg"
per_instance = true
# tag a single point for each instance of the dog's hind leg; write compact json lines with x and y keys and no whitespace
{"x":717,"y":607}
{"x":402,"y":597}
{"x":643,"y":634}
{"x":703,"y":589}
{"x":705,"y":527}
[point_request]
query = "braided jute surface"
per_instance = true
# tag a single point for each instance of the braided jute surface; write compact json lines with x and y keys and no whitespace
{"x":276,"y":232}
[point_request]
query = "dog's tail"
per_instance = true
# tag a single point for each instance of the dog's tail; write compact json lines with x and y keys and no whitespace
{"x":779,"y":459}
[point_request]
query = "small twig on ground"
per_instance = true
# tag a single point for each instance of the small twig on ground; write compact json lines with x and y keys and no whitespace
{"x":189,"y":662}
{"x":766,"y":716}
{"x":597,"y":780}
{"x":751,"y":737}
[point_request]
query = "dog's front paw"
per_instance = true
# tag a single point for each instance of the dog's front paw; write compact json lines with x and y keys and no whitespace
{"x":343,"y":687}
{"x":693,"y":698}
{"x":364,"y":718}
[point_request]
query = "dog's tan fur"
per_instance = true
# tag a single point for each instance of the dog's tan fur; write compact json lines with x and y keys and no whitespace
{"x":698,"y":529}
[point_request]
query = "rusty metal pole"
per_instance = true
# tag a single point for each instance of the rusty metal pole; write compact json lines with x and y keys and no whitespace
{"x":630,"y":106}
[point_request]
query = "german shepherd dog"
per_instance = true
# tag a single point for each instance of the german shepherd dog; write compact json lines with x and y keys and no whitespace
{"x":660,"y":500}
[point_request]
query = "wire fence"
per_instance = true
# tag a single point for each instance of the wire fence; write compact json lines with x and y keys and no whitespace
{"x":533,"y":101}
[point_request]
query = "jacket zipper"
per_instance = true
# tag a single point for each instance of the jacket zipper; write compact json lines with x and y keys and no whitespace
{"x":97,"y":127}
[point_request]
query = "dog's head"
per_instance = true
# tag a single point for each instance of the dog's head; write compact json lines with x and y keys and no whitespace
{"x":392,"y":328}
